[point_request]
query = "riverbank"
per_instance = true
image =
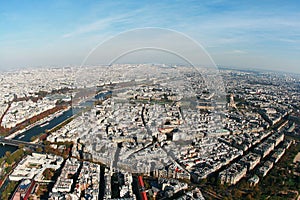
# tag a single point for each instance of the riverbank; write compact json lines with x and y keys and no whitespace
{"x":38,"y":123}
{"x":27,"y":134}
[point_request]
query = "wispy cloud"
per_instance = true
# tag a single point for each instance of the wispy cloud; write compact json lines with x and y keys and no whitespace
{"x":237,"y":51}
{"x":98,"y":25}
{"x":289,"y":40}
{"x":227,"y":28}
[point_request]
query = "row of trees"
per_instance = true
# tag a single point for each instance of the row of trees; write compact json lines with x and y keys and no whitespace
{"x":15,"y":156}
{"x":279,"y":180}
{"x":22,"y":125}
{"x":9,"y":189}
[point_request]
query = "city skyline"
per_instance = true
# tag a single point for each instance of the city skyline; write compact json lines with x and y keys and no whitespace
{"x":261,"y":35}
{"x":143,"y":131}
{"x":139,"y":100}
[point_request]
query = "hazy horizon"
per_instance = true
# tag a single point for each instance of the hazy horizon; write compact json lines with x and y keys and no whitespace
{"x":257,"y":35}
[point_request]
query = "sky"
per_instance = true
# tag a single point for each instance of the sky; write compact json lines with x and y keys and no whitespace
{"x":243,"y":34}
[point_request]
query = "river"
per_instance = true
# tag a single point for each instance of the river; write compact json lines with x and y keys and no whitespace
{"x":38,"y":129}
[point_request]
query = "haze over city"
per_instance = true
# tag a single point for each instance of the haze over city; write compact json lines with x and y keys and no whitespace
{"x":256,"y":34}
{"x":138,"y":100}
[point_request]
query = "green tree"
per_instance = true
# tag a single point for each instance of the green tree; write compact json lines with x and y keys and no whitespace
{"x":237,"y":194}
{"x":39,"y":150}
{"x":7,"y":154}
{"x":249,"y":197}
{"x":21,"y":146}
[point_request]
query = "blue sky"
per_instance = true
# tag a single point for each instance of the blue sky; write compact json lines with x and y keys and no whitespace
{"x":247,"y":34}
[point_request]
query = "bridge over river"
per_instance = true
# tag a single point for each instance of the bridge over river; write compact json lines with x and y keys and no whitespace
{"x":17,"y":143}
